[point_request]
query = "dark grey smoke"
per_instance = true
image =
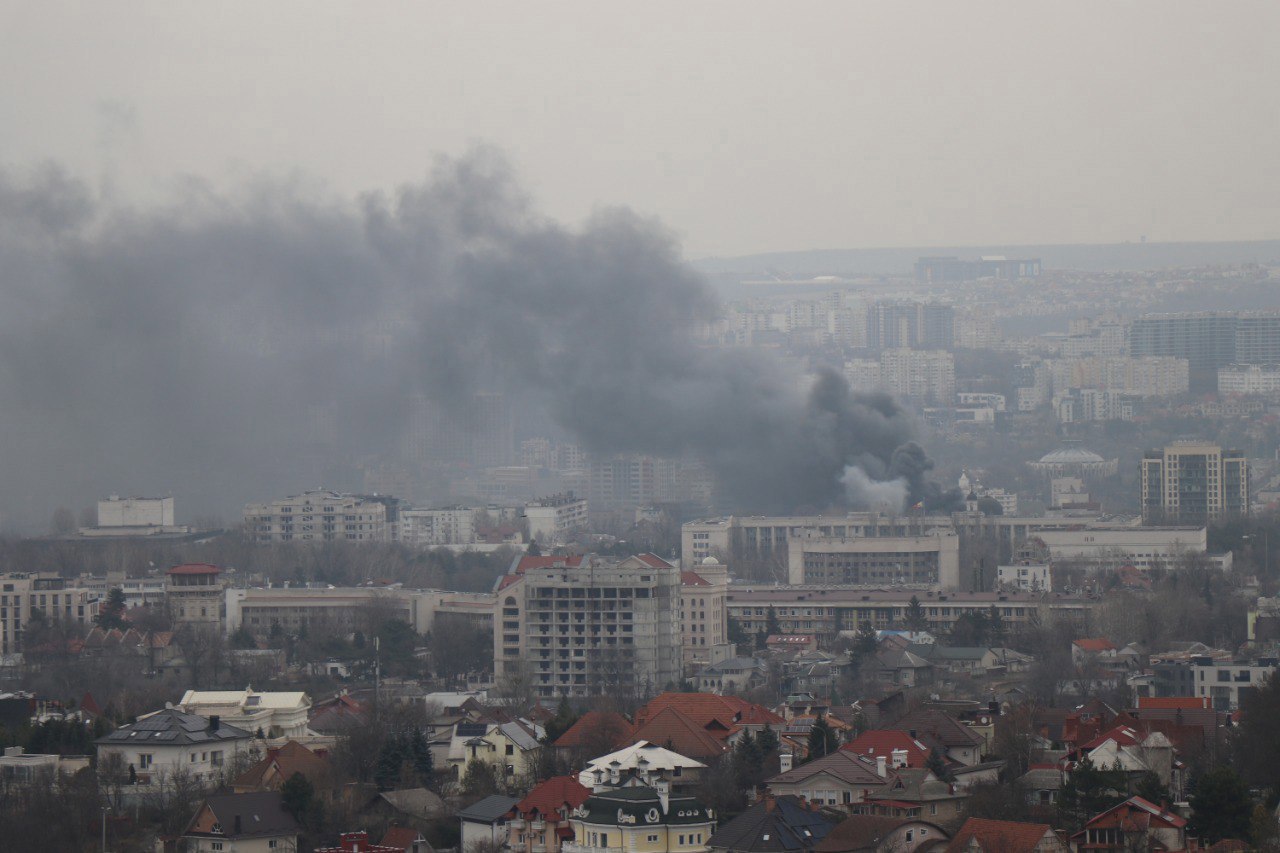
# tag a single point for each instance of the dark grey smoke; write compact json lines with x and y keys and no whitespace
{"x":237,"y":346}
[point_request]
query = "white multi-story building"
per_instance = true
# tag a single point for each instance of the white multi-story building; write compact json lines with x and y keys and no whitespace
{"x":1223,"y":682}
{"x":585,"y":626}
{"x":431,"y":528}
{"x":321,"y":516}
{"x":927,"y":559}
{"x":23,"y":594}
{"x":1148,"y":376}
{"x":116,"y":511}
{"x":341,"y":609}
{"x":1141,"y":546}
{"x":1249,"y":379}
{"x":555,"y":518}
{"x":1025,"y":577}
{"x":996,"y":402}
{"x":704,"y":620}
{"x":276,"y":715}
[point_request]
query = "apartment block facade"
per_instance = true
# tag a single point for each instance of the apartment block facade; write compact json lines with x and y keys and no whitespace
{"x":320,"y":516}
{"x":1194,"y":481}
{"x":23,"y":594}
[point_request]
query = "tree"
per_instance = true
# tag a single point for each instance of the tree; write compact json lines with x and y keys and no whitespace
{"x":914,"y":617}
{"x":534,"y":550}
{"x":111,"y":613}
{"x":822,"y":740}
{"x":864,"y":642}
{"x":1221,"y":807}
{"x":64,"y":521}
{"x":1151,"y":789}
{"x":420,"y":754}
{"x":297,"y":794}
{"x":386,"y":773}
{"x":1089,"y":790}
{"x":1257,"y":741}
{"x":767,"y":741}
{"x":970,"y":629}
{"x":937,"y":765}
{"x":480,"y":779}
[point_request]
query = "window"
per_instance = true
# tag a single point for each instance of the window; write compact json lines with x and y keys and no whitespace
{"x":933,"y":809}
{"x":682,"y":841}
{"x":144,"y":760}
{"x":216,"y":845}
{"x":271,"y":845}
{"x":652,"y":839}
{"x":215,"y":758}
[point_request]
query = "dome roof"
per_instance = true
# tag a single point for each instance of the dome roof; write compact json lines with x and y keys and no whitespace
{"x":1071,"y":456}
{"x":710,"y":561}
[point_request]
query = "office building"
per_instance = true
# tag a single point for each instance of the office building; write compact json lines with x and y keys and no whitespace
{"x":1194,"y":481}
{"x":586,"y":626}
{"x":929,"y":559}
{"x":323,"y":609}
{"x":556,"y":518}
{"x":322,"y":516}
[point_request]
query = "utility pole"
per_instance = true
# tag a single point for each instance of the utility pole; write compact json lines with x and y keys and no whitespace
{"x":377,"y":670}
{"x":105,"y":809}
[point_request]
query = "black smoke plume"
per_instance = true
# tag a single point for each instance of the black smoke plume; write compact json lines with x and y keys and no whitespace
{"x":235,"y":346}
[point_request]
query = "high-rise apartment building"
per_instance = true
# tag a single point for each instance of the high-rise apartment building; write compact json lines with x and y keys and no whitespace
{"x":918,"y":325}
{"x":586,"y":626}
{"x":1194,"y":481}
{"x":1209,"y":340}
{"x":926,"y":376}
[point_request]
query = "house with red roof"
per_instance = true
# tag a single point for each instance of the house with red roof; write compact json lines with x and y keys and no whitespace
{"x":540,"y":821}
{"x":677,"y":731}
{"x":897,"y":748}
{"x":979,"y":835}
{"x":358,"y":842}
{"x":595,"y":733}
{"x":1135,"y":824}
{"x":1092,"y":649}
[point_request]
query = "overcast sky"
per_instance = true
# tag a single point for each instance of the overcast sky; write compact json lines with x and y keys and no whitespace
{"x":744,"y":126}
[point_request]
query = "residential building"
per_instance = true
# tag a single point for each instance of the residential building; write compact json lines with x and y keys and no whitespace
{"x":398,"y":839}
{"x":170,"y":743}
{"x":433,"y":528}
{"x":930,"y":559}
{"x":1101,"y":546}
{"x":736,"y":674}
{"x":917,"y":325}
{"x":245,"y":823}
{"x":877,"y":834}
{"x":511,"y":748}
{"x":1224,"y":683}
{"x":1025,"y":576}
{"x":839,"y":779}
{"x":704,"y":618}
{"x":484,"y":822}
{"x":926,"y":376}
{"x":554,"y":519}
{"x":194,"y":592}
{"x":982,"y":835}
{"x":24,"y":768}
{"x":583,"y":626}
{"x":23,"y":594}
{"x":1147,"y":376}
{"x":652,"y":764}
{"x":940,"y":269}
{"x":279,"y":765}
{"x":276,"y":715}
{"x":642,"y":819}
{"x":1194,"y":481}
{"x":780,"y":824}
{"x":321,"y":515}
{"x":1249,"y":379}
{"x":827,"y":611}
{"x":540,"y":821}
{"x":1135,"y":824}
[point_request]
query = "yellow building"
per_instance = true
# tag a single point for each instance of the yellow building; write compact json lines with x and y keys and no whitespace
{"x":640,"y":819}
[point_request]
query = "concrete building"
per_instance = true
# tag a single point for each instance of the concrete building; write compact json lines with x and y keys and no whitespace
{"x":341,"y":609}
{"x":431,"y":528}
{"x":827,"y":611}
{"x":322,"y":516}
{"x":194,"y":592}
{"x":24,"y":768}
{"x":950,"y":268}
{"x":1025,"y":577}
{"x":1249,"y":379}
{"x":586,"y":626}
{"x":554,"y":519}
{"x":1145,"y":547}
{"x":170,"y":743}
{"x":640,"y":819}
{"x":1147,"y":376}
{"x":116,"y":511}
{"x":24,"y":594}
{"x":930,"y":559}
{"x":1209,"y":340}
{"x":917,"y":325}
{"x":704,"y":619}
{"x":1224,"y":683}
{"x":1194,"y":481}
{"x":928,"y":376}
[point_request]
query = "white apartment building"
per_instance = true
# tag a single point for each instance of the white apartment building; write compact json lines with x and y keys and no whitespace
{"x":319,"y":516}
{"x":116,"y":511}
{"x":704,"y":619}
{"x":1025,"y":577}
{"x":23,"y":594}
{"x":553,"y":519}
{"x":996,"y":402}
{"x":432,"y":528}
{"x":586,"y":626}
{"x":928,"y":559}
{"x":1146,"y":376}
{"x":1223,"y":682}
{"x":1249,"y":379}
{"x":925,"y":375}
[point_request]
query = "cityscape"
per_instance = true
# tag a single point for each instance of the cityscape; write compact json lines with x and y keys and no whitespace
{"x":474,"y":512}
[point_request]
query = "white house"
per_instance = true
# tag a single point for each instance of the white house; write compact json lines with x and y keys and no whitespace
{"x":276,"y":715}
{"x":169,"y":743}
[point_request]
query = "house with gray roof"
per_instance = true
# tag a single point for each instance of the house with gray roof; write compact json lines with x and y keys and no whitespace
{"x":486,"y":820}
{"x":169,"y":744}
{"x":254,"y":821}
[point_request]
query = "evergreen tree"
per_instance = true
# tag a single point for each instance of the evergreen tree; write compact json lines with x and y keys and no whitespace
{"x":937,"y":765}
{"x":111,"y":613}
{"x":1088,"y":791}
{"x":914,"y":617}
{"x":1151,"y":789}
{"x":296,"y":794}
{"x":420,"y":752}
{"x":822,"y":740}
{"x":386,"y":773}
{"x":481,"y":779}
{"x":864,"y":642}
{"x":1221,"y":807}
{"x":767,"y":741}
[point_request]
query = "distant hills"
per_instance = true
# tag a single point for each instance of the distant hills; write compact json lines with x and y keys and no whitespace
{"x":1101,"y":257}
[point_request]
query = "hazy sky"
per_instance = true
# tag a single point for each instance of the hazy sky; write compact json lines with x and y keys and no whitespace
{"x":744,"y":126}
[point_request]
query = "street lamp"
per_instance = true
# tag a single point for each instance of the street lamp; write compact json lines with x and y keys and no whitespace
{"x":105,"y":809}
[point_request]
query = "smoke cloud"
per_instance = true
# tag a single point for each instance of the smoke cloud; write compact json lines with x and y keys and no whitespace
{"x":239,"y":345}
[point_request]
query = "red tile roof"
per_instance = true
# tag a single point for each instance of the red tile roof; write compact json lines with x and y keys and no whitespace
{"x":676,"y":731}
{"x":1005,"y":836}
{"x":596,"y":728}
{"x":693,"y":579}
{"x":884,"y":742}
{"x":400,"y":837}
{"x":1173,"y":703}
{"x":654,"y":560}
{"x":551,"y":795}
{"x":707,"y":708}
{"x":1095,"y":644}
{"x":194,"y":569}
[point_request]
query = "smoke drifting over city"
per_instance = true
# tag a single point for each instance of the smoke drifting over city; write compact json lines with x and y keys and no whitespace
{"x":209,"y":347}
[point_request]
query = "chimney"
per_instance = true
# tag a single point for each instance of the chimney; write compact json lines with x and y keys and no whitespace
{"x":214,"y":722}
{"x":784,"y":761}
{"x":881,"y":771}
{"x":912,"y":733}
